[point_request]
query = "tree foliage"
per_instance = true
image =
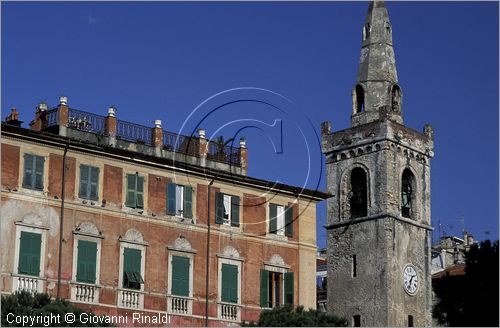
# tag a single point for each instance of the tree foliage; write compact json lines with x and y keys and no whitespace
{"x":28,"y":305}
{"x":470,"y":299}
{"x":287,"y":316}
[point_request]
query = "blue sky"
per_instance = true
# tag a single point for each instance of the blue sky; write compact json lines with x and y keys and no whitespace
{"x":161,"y":60}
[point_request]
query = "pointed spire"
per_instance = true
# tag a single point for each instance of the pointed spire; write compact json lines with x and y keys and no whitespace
{"x":377,"y":95}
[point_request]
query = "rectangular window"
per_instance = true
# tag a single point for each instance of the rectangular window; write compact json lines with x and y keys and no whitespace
{"x":229,"y":283}
{"x":354,"y":266}
{"x":86,"y":262}
{"x":180,"y":276}
{"x":356,"y":321}
{"x":276,"y":288}
{"x":410,"y":321}
{"x":89,"y":182}
{"x":132,"y":277}
{"x":179,"y":200}
{"x":281,"y":220}
{"x":227,"y":209}
{"x":33,"y":172}
{"x":135,"y":191}
{"x":29,"y":253}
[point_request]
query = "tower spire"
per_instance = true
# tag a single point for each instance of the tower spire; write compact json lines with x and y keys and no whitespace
{"x":377,"y":94}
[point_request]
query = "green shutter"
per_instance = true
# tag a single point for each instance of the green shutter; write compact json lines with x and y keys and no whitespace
{"x":171,"y":199}
{"x":131,"y":189}
{"x":94,"y":183}
{"x":28,"y":171}
{"x":235,"y":211}
{"x":140,"y":192}
{"x":180,"y":276}
{"x":84,"y":181}
{"x":39,"y":161}
{"x":132,"y":267}
{"x":289,"y":221}
{"x":229,"y":283}
{"x":219,"y":207}
{"x":264,"y":288}
{"x":188,"y":202}
{"x":289,"y":288}
{"x":273,"y":220}
{"x":29,"y":253}
{"x":86,"y":261}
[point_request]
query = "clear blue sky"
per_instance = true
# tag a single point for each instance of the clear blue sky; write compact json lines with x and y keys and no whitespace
{"x":161,"y":60}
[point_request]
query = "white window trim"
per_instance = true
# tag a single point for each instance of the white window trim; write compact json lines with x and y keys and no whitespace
{"x":180,"y":253}
{"x":46,"y":157}
{"x":100,"y":186}
{"x":275,"y":235}
{"x":33,"y":229}
{"x":237,"y":262}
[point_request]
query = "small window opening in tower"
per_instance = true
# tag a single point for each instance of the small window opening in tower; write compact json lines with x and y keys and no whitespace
{"x":356,"y":321}
{"x":358,"y":200}
{"x":406,"y":193}
{"x":387,"y":28}
{"x":366,"y":31}
{"x":396,"y":98}
{"x":360,"y":99}
{"x":354,"y":266}
{"x":410,"y":321}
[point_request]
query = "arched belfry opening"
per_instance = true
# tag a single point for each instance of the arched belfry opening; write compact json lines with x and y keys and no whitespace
{"x":396,"y":98}
{"x":366,"y":31}
{"x":407,"y":194}
{"x":358,"y":99}
{"x":358,"y":197}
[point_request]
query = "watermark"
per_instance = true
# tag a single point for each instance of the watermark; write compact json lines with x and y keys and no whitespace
{"x":46,"y":320}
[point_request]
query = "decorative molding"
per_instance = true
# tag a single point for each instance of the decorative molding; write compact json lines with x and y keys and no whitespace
{"x":181,"y":244}
{"x":88,"y":229}
{"x":133,"y":236}
{"x":231,"y":253}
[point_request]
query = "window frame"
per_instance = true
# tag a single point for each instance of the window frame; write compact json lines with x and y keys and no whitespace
{"x":187,"y":254}
{"x":142,"y":248}
{"x":286,"y":231}
{"x":238,"y":264}
{"x":233,"y":221}
{"x":96,"y":239}
{"x":180,"y":213}
{"x":283,"y":272}
{"x":144,"y":191}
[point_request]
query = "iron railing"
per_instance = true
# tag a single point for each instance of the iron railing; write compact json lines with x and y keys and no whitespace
{"x":86,"y":121}
{"x":181,"y":144}
{"x":224,"y":154}
{"x":52,"y":117}
{"x":134,"y":132}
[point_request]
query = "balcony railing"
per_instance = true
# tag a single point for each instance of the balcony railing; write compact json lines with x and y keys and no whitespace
{"x":27,"y":283}
{"x":229,"y":311}
{"x":134,"y":132}
{"x":84,"y":293}
{"x":130,"y":299}
{"x":86,"y":121}
{"x":179,"y":305}
{"x":180,"y":143}
{"x":224,"y":154}
{"x":52,"y":117}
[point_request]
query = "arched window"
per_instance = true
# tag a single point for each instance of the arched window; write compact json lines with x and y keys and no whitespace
{"x":407,"y":187}
{"x":358,"y":197}
{"x":360,"y":99}
{"x":396,"y":98}
{"x":366,"y":31}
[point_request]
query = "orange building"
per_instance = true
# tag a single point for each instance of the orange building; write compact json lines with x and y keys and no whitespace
{"x":133,"y":205}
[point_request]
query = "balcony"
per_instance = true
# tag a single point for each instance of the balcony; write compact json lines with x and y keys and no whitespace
{"x":131,"y":299}
{"x":84,"y":293}
{"x":229,"y":311}
{"x":179,"y":305}
{"x":27,"y":283}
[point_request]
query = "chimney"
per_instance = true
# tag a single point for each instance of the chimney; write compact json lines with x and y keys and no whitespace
{"x":40,"y":121}
{"x":13,"y":117}
{"x":110,"y":126}
{"x":243,"y":156}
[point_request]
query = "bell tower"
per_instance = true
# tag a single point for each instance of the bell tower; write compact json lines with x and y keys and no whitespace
{"x":378,"y":173}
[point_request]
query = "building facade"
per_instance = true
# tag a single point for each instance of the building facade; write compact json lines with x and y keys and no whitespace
{"x":378,"y":173}
{"x":121,"y":218}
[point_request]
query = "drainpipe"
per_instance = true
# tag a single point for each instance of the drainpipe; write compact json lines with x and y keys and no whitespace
{"x":208,"y":251}
{"x":61,"y":225}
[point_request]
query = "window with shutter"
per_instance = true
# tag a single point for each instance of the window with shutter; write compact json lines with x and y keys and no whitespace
{"x":229,"y":283}
{"x":180,"y":200}
{"x":171,"y":199}
{"x":227,"y":209}
{"x":264,"y":289}
{"x":132,"y":277}
{"x":33,"y":172}
{"x":89,"y":182}
{"x":180,"y":276}
{"x":29,"y":253}
{"x":135,"y":191}
{"x":289,"y":221}
{"x":86,"y":262}
{"x":289,"y":288}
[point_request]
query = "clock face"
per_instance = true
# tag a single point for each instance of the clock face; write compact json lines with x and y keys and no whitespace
{"x":410,"y":279}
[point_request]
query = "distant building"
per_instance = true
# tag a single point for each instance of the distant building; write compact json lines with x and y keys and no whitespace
{"x":450,"y":251}
{"x":321,"y":281}
{"x":128,"y":217}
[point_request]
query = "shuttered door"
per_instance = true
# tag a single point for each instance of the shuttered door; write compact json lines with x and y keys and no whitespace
{"x":29,"y":253}
{"x":289,"y":288}
{"x":131,"y":267}
{"x":229,"y":283}
{"x":180,"y":276}
{"x":264,"y":288}
{"x":86,"y":261}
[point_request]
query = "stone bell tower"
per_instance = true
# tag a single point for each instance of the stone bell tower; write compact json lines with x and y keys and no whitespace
{"x":378,"y":172}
